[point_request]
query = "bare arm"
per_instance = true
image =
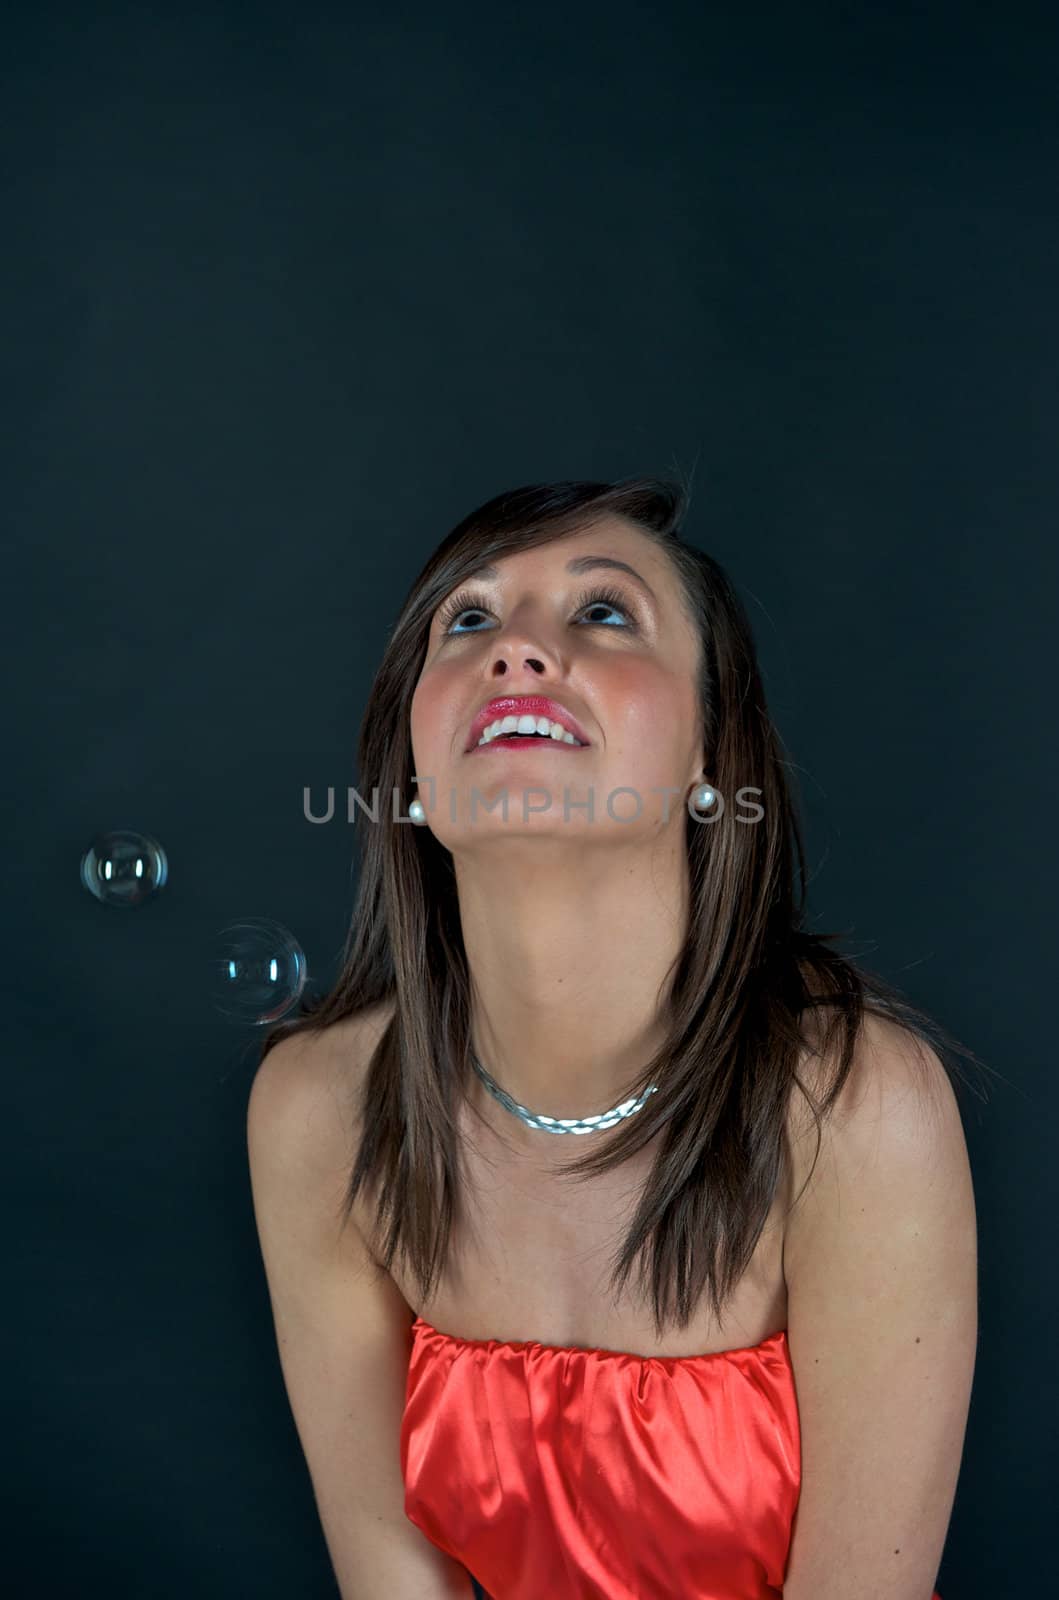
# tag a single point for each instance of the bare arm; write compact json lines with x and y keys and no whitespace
{"x":880,"y":1258}
{"x":343,"y":1330}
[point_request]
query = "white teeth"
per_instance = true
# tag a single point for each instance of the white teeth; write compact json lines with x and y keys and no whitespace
{"x":527,"y":725}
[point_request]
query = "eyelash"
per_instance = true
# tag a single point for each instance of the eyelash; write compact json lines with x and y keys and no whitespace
{"x":469,"y":601}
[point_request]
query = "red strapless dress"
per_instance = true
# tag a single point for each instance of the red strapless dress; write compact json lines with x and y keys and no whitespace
{"x":557,"y":1473}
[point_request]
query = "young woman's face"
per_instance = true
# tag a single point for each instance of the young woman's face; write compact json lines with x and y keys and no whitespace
{"x":625,"y":669}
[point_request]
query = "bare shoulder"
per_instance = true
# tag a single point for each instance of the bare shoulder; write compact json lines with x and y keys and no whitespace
{"x":895,"y":1079}
{"x":302,"y":1113}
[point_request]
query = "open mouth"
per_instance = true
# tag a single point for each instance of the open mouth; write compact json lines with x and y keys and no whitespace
{"x":513,"y":720}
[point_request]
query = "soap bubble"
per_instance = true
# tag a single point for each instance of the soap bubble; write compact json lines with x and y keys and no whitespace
{"x":258,"y":971}
{"x":124,"y":868}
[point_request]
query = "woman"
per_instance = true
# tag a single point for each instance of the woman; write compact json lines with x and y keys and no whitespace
{"x":580,"y":1024}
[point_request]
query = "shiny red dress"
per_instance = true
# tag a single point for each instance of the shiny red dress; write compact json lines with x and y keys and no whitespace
{"x":558,"y":1473}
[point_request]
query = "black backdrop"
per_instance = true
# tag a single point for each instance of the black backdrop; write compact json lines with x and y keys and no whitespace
{"x":288,"y":290}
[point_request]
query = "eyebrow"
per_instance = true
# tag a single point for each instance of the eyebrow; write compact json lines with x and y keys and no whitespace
{"x":581,"y":564}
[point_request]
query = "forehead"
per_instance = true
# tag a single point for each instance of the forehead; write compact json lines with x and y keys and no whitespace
{"x":611,"y":538}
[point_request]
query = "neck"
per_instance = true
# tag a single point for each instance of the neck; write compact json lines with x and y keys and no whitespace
{"x":569,"y":963}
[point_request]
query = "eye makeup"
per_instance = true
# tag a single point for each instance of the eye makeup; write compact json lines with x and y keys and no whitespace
{"x":472,"y":600}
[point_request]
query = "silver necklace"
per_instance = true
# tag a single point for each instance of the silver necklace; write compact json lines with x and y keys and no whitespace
{"x":605,"y":1119}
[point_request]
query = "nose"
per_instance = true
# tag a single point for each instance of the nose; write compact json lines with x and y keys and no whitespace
{"x":523,"y":647}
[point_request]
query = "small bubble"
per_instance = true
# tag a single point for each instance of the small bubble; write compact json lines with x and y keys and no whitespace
{"x":124,"y":868}
{"x":258,"y":971}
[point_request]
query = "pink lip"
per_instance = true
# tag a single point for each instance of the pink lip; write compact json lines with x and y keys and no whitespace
{"x":525,"y":705}
{"x":516,"y":741}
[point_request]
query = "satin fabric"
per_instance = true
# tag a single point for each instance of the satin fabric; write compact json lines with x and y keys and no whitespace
{"x":558,"y":1473}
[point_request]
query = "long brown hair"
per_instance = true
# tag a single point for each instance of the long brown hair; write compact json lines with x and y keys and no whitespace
{"x":743,"y":990}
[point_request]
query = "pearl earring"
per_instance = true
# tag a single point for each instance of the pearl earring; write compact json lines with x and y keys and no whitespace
{"x":703,"y":798}
{"x":416,"y":812}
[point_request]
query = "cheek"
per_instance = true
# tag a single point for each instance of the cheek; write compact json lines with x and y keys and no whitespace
{"x":432,"y":715}
{"x":653,"y":713}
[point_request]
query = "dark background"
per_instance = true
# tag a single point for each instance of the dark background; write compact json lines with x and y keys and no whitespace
{"x":287,"y":291}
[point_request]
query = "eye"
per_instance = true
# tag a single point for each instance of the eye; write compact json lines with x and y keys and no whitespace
{"x":613,"y":599}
